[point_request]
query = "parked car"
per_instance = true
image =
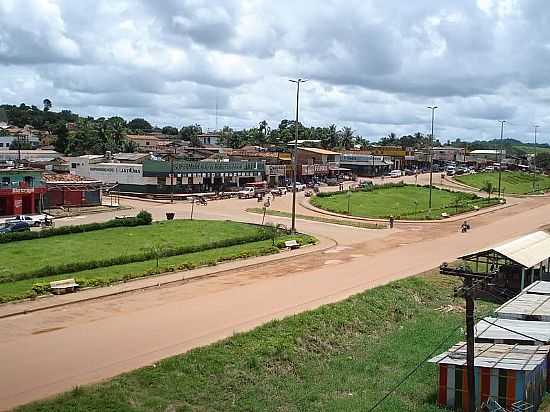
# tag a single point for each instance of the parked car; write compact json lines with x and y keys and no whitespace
{"x":299,"y":187}
{"x":396,"y":173}
{"x":32,"y":220}
{"x":489,"y":168}
{"x":20,"y":226}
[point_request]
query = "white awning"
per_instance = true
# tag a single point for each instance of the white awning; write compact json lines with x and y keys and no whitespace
{"x":527,"y":251}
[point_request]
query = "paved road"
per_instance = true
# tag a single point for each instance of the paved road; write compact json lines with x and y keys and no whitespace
{"x":52,"y":351}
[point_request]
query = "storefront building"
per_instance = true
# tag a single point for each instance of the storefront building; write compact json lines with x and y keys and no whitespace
{"x":205,"y":176}
{"x":21,"y":191}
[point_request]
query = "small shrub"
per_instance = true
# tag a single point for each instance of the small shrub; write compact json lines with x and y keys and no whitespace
{"x":145,"y":217}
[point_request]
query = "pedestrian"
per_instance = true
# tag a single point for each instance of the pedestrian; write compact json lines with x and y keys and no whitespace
{"x":392,"y":220}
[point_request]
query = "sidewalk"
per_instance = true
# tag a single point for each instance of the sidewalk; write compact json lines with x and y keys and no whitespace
{"x":155,"y":281}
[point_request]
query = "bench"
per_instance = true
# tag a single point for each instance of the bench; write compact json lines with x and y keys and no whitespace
{"x":292,"y":244}
{"x":60,"y":287}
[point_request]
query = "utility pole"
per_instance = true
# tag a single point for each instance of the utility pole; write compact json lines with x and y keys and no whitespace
{"x":295,"y":160}
{"x":468,"y":292}
{"x":172,"y":176}
{"x":470,"y":364}
{"x":500,"y":156}
{"x":432,"y":108}
{"x":535,"y":161}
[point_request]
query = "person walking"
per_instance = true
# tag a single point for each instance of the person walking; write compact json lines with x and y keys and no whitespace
{"x":392,"y":220}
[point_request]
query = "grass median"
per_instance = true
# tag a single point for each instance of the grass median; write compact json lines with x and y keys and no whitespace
{"x":107,"y":256}
{"x":401,"y":201}
{"x":356,"y":223}
{"x":340,"y":357}
{"x":511,"y":182}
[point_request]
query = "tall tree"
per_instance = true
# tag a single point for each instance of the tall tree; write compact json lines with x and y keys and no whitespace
{"x":47,"y":104}
{"x":139,"y":124}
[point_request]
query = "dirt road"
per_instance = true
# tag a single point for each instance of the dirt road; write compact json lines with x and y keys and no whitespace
{"x":52,"y":351}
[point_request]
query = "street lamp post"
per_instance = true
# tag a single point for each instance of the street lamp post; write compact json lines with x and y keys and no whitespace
{"x":500,"y":155}
{"x":535,"y":160}
{"x":432,"y":108}
{"x":295,"y":160}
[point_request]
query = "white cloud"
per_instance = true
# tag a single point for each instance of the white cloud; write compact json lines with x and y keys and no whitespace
{"x":373,"y":65}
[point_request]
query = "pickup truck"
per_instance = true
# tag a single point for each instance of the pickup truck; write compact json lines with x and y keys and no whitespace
{"x":31,"y":220}
{"x":299,"y":187}
{"x":249,"y":192}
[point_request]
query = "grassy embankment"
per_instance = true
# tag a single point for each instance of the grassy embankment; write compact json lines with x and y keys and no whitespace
{"x":511,"y":182}
{"x":401,"y":201}
{"x":214,"y":242}
{"x":339,"y":357}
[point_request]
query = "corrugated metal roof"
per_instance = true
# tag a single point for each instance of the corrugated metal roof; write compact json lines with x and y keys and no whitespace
{"x":492,"y":328}
{"x":318,"y":151}
{"x":527,"y":251}
{"x":539,"y":287}
{"x":494,"y":355}
{"x":526,"y":306}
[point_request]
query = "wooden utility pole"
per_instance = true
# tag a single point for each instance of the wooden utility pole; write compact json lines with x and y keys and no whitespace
{"x":471,"y":281}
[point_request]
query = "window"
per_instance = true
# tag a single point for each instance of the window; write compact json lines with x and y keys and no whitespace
{"x":1,"y":144}
{"x":73,"y":165}
{"x":146,"y":143}
{"x":29,"y":180}
{"x":6,"y":181}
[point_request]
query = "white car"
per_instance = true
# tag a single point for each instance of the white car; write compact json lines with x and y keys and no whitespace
{"x":396,"y":173}
{"x":299,"y":187}
{"x":31,"y":220}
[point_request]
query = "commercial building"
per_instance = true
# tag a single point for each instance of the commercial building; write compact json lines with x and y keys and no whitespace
{"x":66,"y":190}
{"x":510,"y":375}
{"x":21,"y":191}
{"x":366,"y":165}
{"x":205,"y":176}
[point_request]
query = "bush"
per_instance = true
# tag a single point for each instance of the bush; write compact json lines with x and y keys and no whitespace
{"x":145,"y":219}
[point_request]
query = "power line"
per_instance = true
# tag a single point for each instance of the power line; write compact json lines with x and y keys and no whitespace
{"x":408,"y":375}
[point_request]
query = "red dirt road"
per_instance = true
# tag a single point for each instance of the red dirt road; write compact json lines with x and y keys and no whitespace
{"x":52,"y":351}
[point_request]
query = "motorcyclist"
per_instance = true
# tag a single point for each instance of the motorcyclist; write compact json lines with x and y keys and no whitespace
{"x":465,"y":227}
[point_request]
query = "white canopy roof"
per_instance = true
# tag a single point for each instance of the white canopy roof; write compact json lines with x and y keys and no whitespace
{"x":528,"y":250}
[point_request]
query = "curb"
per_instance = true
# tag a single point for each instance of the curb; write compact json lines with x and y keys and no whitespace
{"x":491,"y":209}
{"x":331,"y":243}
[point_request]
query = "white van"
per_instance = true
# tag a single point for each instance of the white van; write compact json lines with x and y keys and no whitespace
{"x":396,"y":173}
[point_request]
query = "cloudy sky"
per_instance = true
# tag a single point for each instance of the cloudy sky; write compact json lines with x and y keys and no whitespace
{"x":372,"y":64}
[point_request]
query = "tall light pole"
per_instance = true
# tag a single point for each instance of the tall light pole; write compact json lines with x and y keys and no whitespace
{"x":432,"y":108}
{"x":295,"y":159}
{"x":535,"y":160}
{"x":500,"y":155}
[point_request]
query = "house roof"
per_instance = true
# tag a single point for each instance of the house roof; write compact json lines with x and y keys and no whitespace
{"x":488,"y":151}
{"x":130,"y":156}
{"x":527,"y":251}
{"x":526,"y":306}
{"x":512,"y":329}
{"x":318,"y":151}
{"x":66,"y":178}
{"x":497,"y":356}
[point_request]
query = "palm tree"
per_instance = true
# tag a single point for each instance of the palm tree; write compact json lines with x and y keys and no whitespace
{"x":489,"y":188}
{"x":346,"y":138}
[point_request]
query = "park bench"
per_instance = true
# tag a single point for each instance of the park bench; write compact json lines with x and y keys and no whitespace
{"x":60,"y":287}
{"x":292,"y":244}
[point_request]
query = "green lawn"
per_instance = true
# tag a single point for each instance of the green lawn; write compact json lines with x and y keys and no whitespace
{"x":512,"y":182}
{"x":340,"y":357}
{"x":23,"y":256}
{"x":104,"y":276}
{"x":405,"y":202}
